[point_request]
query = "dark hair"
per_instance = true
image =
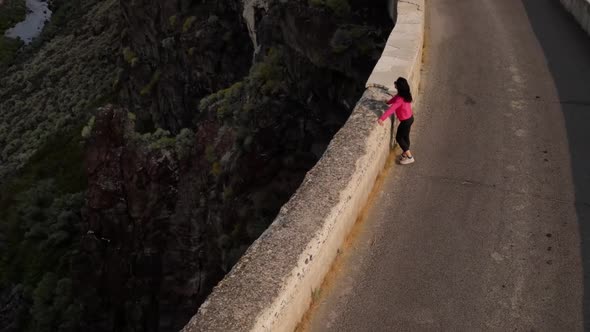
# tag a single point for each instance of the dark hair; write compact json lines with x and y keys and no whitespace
{"x":403,"y":89}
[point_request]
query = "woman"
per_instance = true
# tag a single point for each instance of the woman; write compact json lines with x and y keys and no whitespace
{"x":401,"y":105}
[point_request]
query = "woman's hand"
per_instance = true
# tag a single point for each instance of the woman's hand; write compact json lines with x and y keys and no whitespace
{"x":380,"y":122}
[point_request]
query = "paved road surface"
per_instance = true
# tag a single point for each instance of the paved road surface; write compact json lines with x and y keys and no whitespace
{"x":483,"y":232}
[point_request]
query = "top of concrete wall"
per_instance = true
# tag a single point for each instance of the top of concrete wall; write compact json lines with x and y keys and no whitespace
{"x":402,"y":48}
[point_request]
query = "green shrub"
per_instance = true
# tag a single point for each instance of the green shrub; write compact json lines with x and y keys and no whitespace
{"x":168,"y":43}
{"x":188,"y":23}
{"x":270,"y":73}
{"x":216,"y":169}
{"x":153,"y":81}
{"x":228,"y":192}
{"x":87,"y":130}
{"x":210,"y":153}
{"x":160,"y":139}
{"x":172,"y":21}
{"x":185,"y":142}
{"x":130,"y":56}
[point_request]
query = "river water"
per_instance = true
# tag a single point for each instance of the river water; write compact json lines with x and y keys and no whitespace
{"x":38,"y":14}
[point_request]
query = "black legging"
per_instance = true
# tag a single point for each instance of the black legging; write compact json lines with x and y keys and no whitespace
{"x":403,"y":133}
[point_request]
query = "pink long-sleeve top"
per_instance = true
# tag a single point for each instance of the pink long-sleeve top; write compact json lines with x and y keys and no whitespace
{"x":401,"y":108}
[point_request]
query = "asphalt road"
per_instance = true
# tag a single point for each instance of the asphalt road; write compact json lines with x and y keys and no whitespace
{"x":484,"y":232}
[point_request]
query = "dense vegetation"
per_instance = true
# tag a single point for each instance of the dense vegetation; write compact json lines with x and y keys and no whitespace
{"x":47,"y":90}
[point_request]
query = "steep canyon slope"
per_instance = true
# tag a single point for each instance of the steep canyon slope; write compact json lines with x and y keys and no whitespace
{"x":123,"y":217}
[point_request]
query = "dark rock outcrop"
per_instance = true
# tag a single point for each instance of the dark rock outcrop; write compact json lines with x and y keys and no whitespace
{"x":177,"y":52}
{"x":131,"y":198}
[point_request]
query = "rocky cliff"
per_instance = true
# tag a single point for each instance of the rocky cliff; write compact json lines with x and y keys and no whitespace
{"x":177,"y":52}
{"x":218,"y":110}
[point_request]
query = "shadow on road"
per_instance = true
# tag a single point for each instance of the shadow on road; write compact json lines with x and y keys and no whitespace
{"x":567,"y":50}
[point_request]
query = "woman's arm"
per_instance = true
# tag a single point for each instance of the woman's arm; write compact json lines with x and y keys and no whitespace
{"x":391,"y":109}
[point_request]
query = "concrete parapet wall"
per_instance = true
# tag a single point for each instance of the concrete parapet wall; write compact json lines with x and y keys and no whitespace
{"x":580,"y":9}
{"x":402,"y":55}
{"x":271,"y":286}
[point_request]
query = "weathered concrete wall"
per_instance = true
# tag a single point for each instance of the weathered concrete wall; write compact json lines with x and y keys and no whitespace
{"x":580,"y":9}
{"x":271,"y":287}
{"x":402,"y":55}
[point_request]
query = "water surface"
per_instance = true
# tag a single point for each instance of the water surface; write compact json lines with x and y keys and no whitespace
{"x":38,"y":14}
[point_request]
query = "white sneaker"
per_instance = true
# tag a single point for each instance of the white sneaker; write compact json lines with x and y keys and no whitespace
{"x":407,"y":160}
